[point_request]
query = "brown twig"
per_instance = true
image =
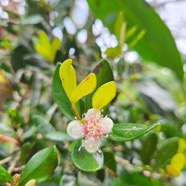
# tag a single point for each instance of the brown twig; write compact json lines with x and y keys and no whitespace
{"x":5,"y":160}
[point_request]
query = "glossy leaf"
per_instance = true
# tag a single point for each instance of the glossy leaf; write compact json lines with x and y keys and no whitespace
{"x":157,"y":45}
{"x":68,"y":77}
{"x":166,"y":150}
{"x":5,"y":176}
{"x":104,"y":95}
{"x":40,"y":166}
{"x":60,"y":96}
{"x":130,"y":131}
{"x":85,"y":161}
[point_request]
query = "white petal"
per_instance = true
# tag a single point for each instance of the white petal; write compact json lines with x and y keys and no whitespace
{"x":75,"y":129}
{"x":91,"y":144}
{"x":106,"y":125}
{"x":93,"y":114}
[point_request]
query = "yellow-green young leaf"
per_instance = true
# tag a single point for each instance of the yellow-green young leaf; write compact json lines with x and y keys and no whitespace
{"x":137,"y":39}
{"x":113,"y":52}
{"x":172,"y":171}
{"x":120,"y":28}
{"x":31,"y":182}
{"x":86,"y":87}
{"x":68,"y":77}
{"x":42,"y":46}
{"x":55,"y":45}
{"x":104,"y":95}
{"x":178,"y":161}
{"x":181,"y":145}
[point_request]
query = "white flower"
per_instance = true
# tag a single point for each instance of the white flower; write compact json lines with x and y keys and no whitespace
{"x":91,"y":128}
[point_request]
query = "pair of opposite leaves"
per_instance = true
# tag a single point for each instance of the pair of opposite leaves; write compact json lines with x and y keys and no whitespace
{"x":75,"y":92}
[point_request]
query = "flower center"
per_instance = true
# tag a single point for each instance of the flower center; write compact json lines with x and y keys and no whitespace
{"x":92,"y":128}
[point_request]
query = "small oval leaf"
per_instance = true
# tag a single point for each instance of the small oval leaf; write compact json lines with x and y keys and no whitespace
{"x":60,"y":96}
{"x":165,"y":151}
{"x":85,"y":161}
{"x":58,"y":136}
{"x":86,"y":87}
{"x":5,"y":176}
{"x":100,"y":70}
{"x":68,"y":77}
{"x":130,"y":131}
{"x":104,"y":95}
{"x":40,"y":166}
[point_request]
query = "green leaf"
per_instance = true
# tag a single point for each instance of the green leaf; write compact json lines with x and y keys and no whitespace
{"x":5,"y":176}
{"x":58,"y":136}
{"x":113,"y":52}
{"x":85,"y":161}
{"x":17,"y":57}
{"x":103,"y":73}
{"x":166,"y":150}
{"x":149,"y":143}
{"x":100,"y":70}
{"x":43,"y":126}
{"x":157,"y":45}
{"x":130,"y":131}
{"x":41,"y":166}
{"x":109,"y":161}
{"x":25,"y":152}
{"x":60,"y":96}
{"x":134,"y":179}
{"x":32,"y":19}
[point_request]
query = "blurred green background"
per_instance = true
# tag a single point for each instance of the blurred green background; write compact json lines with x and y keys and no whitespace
{"x":148,"y":69}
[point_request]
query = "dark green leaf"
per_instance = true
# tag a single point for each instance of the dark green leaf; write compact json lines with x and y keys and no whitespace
{"x":60,"y":96}
{"x":41,"y":166}
{"x":166,"y":150}
{"x":25,"y":152}
{"x":129,"y":131}
{"x":149,"y":143}
{"x":85,"y":161}
{"x":157,"y":45}
{"x":110,"y":161}
{"x":103,"y":73}
{"x":17,"y":58}
{"x":5,"y":176}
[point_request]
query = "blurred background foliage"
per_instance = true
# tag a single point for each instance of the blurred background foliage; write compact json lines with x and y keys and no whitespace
{"x":148,"y":68}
